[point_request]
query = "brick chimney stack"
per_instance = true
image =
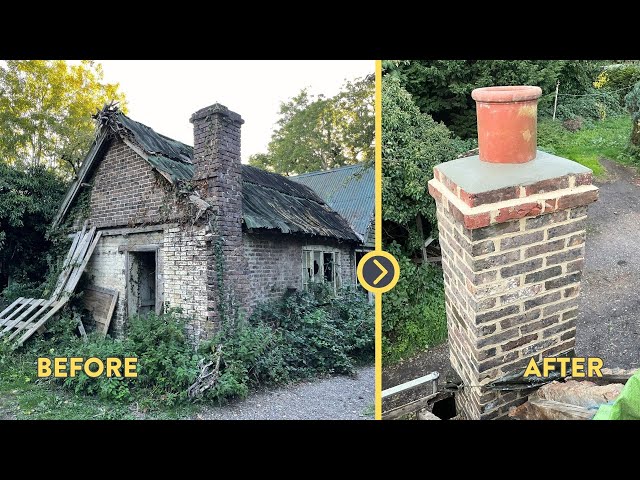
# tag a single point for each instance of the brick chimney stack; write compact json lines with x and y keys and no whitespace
{"x":512,"y":230}
{"x":216,"y":155}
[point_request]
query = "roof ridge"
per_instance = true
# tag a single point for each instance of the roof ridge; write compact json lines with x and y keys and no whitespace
{"x":320,"y":172}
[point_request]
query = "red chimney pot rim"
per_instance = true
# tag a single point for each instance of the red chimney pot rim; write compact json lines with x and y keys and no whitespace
{"x":506,"y":94}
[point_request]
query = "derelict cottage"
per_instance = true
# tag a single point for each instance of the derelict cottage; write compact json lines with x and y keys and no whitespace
{"x":180,"y":224}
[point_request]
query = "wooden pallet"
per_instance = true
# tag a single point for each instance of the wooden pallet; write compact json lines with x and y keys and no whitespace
{"x":26,"y":316}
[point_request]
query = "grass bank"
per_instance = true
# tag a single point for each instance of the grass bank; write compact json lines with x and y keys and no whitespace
{"x":607,"y":138}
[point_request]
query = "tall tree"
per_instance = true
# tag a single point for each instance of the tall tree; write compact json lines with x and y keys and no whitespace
{"x":29,"y":200}
{"x":46,"y":108}
{"x":412,"y":144}
{"x":318,"y":133}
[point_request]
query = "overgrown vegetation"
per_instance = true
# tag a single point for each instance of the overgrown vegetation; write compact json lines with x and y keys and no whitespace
{"x":300,"y":336}
{"x":632,"y":102}
{"x":413,"y":312}
{"x":412,"y":144}
{"x":442,"y":88}
{"x":29,"y":200}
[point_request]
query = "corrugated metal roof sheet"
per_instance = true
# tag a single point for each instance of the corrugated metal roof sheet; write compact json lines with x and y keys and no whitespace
{"x":270,"y":201}
{"x":349,"y":190}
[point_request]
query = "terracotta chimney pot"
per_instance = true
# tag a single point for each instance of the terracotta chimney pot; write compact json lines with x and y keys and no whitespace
{"x":507,"y":123}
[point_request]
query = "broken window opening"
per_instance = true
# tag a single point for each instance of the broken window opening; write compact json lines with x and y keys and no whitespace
{"x":142,"y":283}
{"x":321,"y":266}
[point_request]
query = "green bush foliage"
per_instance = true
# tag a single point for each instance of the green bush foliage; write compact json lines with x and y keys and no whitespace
{"x":299,"y":336}
{"x":442,"y":88}
{"x":619,"y":79}
{"x":29,"y":200}
{"x":167,"y":362}
{"x":632,"y":102}
{"x":302,"y":335}
{"x":413,"y":312}
{"x":591,"y":105}
{"x":412,"y":144}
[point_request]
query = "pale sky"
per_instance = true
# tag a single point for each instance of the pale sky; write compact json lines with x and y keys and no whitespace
{"x":164,"y":93}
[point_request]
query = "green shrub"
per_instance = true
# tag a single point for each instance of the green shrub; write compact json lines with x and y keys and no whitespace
{"x":412,"y":144}
{"x":167,"y":363}
{"x":618,"y":79}
{"x":299,"y":336}
{"x":592,"y":105}
{"x":167,"y":360}
{"x":107,"y":388}
{"x":632,"y":102}
{"x":250,"y":355}
{"x":413,"y":312}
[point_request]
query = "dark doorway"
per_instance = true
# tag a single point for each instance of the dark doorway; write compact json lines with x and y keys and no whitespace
{"x":142,"y":283}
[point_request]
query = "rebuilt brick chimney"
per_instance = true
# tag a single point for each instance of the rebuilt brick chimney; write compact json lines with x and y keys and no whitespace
{"x":216,"y":155}
{"x":512,"y":232}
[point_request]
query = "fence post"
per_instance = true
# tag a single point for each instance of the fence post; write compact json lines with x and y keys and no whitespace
{"x":555,"y":103}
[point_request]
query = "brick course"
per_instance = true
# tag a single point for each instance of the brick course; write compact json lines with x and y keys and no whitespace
{"x":517,"y":309}
{"x":127,"y":192}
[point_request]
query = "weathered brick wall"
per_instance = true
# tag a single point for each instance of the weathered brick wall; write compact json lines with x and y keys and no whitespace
{"x":182,"y":260}
{"x":275,"y":263}
{"x":126,"y":191}
{"x":216,"y":155}
{"x":512,"y":295}
{"x":187,"y":256}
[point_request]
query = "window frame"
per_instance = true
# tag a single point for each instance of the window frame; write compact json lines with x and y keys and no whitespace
{"x":309,"y":254}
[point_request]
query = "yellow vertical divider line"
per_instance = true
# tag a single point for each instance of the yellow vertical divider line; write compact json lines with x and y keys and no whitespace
{"x":378,"y":244}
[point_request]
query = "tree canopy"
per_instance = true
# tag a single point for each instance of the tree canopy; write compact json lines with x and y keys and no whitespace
{"x":29,"y":200}
{"x":45,"y":111}
{"x":412,"y":144}
{"x":318,"y":133}
{"x":442,"y":88}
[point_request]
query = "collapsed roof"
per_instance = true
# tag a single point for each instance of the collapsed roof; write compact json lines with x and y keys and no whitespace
{"x":270,"y":201}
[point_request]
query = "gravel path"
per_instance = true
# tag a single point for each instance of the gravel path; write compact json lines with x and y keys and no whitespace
{"x":334,"y":398}
{"x":609,"y":319}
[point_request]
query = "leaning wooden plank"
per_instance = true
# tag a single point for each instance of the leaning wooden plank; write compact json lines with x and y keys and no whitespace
{"x":83,"y":241}
{"x":9,"y":308}
{"x":86,"y":243}
{"x":67,"y":260}
{"x":75,"y":260}
{"x":56,"y":307}
{"x":32,"y":318}
{"x":101,"y":302}
{"x":18,"y":320}
{"x":112,"y":308}
{"x":83,"y":332}
{"x":20,"y":308}
{"x":75,"y":278}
